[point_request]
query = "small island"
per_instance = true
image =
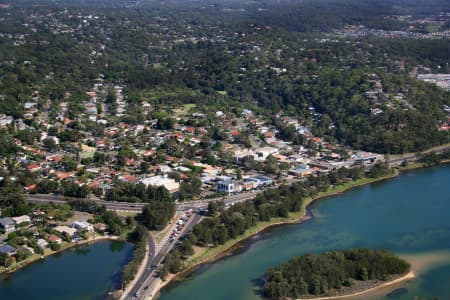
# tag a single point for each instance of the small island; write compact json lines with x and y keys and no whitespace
{"x":334,"y":274}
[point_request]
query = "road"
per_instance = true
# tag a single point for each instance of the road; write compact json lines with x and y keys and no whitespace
{"x":397,"y":160}
{"x":137,"y":207}
{"x":148,"y":283}
{"x":110,"y":205}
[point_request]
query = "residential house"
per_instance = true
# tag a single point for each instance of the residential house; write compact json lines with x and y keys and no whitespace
{"x":28,"y":248}
{"x":83,"y":225}
{"x":100,"y":227}
{"x":7,"y":224}
{"x":8,"y":249}
{"x":42,"y":243}
{"x":33,"y":167}
{"x":63,"y":229}
{"x":21,"y":220}
{"x":54,"y":239}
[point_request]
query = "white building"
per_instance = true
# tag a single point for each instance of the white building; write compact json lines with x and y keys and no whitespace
{"x":82,"y":225}
{"x":170,"y":184}
{"x":21,"y":219}
{"x":264,"y":152}
{"x":42,"y":243}
{"x":63,"y":229}
{"x":226,"y":186}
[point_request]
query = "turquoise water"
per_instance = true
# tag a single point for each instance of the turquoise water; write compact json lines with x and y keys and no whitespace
{"x":409,"y":215}
{"x":85,"y":272}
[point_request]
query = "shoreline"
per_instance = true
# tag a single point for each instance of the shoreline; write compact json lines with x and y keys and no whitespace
{"x":130,"y":285}
{"x":298,"y":218}
{"x":66,"y":247}
{"x":406,"y":277}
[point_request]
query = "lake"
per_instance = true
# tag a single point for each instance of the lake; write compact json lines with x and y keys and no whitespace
{"x":84,"y":272}
{"x":409,"y":215}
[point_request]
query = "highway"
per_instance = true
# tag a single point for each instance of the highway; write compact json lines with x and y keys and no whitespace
{"x":396,"y":161}
{"x":137,"y":207}
{"x":110,"y":205}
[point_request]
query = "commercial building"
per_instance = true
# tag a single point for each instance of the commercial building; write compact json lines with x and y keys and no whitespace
{"x":170,"y":184}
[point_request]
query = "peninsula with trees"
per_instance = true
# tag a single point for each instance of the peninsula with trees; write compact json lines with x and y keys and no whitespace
{"x":334,"y":274}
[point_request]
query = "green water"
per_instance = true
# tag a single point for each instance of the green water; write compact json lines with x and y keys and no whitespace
{"x":85,"y":272}
{"x":409,"y":215}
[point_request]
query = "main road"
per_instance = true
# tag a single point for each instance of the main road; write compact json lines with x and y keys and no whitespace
{"x":137,"y":207}
{"x":148,"y":283}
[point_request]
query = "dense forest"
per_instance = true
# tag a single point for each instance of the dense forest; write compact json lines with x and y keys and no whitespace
{"x":219,"y":57}
{"x":316,"y":274}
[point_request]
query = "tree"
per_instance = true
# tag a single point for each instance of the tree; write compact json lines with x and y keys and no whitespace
{"x":47,"y":186}
{"x":213,"y":208}
{"x":156,"y":214}
{"x":6,"y":260}
{"x":22,"y":254}
{"x":190,"y":188}
{"x":55,"y":246}
{"x":69,"y":163}
{"x":186,"y":248}
{"x":164,"y":272}
{"x":50,"y":145}
{"x":238,"y":174}
{"x":364,"y":274}
{"x":165,"y":124}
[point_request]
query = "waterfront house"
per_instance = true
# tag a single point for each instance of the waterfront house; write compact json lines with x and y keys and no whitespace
{"x":7,"y":249}
{"x":54,"y":239}
{"x":42,"y":243}
{"x":83,"y":225}
{"x":63,"y":229}
{"x":27,"y":248}
{"x":100,"y":227}
{"x":7,"y":224}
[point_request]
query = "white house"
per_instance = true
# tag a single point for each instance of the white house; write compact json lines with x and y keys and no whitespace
{"x":21,"y":219}
{"x":42,"y":243}
{"x":63,"y":229}
{"x":83,"y":225}
{"x":7,"y":224}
